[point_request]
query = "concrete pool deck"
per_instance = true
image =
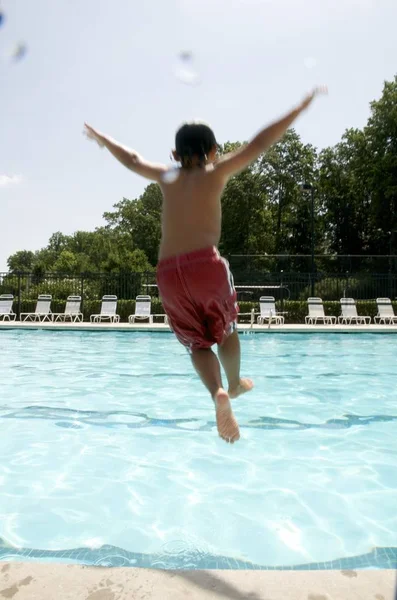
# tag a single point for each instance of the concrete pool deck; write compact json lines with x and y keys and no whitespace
{"x":28,"y":581}
{"x":161,"y":327}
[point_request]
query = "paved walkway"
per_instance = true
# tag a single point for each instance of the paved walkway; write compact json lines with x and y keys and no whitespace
{"x":28,"y":581}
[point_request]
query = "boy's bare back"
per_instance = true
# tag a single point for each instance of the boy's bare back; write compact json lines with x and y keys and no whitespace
{"x":191,"y":211}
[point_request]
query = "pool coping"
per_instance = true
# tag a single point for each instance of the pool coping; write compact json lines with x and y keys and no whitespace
{"x":31,"y":581}
{"x":162,"y":328}
{"x":243,"y":328}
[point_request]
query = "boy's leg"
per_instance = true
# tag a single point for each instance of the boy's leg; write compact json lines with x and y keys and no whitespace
{"x":229,"y":355}
{"x":207,"y":366}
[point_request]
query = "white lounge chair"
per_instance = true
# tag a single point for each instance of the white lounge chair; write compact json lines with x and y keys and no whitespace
{"x":6,"y":312}
{"x":42,"y":312}
{"x":349,"y":313}
{"x":143,"y":308}
{"x":268,"y":314}
{"x":108,"y":311}
{"x":72,"y":310}
{"x":316,"y":313}
{"x":385,"y":314}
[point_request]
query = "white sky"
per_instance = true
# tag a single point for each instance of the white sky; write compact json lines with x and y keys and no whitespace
{"x":112,"y":64}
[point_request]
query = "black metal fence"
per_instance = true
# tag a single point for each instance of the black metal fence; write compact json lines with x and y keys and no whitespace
{"x":26,"y":287}
{"x":284,"y":277}
{"x":289,"y":277}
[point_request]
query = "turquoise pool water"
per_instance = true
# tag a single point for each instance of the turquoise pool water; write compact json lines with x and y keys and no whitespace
{"x":109,"y":453}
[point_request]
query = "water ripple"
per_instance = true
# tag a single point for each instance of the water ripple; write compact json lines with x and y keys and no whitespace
{"x":74,"y":419}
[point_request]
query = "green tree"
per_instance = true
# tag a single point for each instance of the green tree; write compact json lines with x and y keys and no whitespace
{"x":357,"y":181}
{"x":381,"y":132}
{"x":141,"y":220}
{"x":346,"y":194}
{"x":21,"y":261}
{"x":284,"y":168}
{"x":247,"y":226}
{"x":66,"y":263}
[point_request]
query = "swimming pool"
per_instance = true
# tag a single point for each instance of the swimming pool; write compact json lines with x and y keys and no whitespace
{"x":110,"y":456}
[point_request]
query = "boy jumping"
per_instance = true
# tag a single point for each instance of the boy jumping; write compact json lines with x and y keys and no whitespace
{"x":194,"y":281}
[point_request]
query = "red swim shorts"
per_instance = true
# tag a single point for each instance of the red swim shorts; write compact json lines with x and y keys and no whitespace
{"x":198,"y":296}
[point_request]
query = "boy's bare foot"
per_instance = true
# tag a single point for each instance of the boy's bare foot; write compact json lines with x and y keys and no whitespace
{"x":244,"y":386}
{"x":225,"y":420}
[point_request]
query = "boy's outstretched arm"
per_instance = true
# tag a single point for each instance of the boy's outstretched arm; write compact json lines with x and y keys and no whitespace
{"x":128,"y":158}
{"x":232,"y":163}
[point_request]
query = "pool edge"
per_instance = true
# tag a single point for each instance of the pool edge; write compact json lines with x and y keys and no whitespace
{"x":161,"y":328}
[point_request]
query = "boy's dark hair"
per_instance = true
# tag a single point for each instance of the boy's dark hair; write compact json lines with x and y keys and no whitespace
{"x":194,"y":139}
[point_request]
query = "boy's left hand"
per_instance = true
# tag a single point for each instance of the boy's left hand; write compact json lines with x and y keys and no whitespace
{"x":321,"y":90}
{"x":92,"y":134}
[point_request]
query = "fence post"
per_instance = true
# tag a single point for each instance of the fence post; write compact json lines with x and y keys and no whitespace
{"x":282,"y":290}
{"x":19,"y":296}
{"x":312,"y":284}
{"x":82,"y":292}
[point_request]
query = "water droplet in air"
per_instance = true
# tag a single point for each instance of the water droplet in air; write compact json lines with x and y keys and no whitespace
{"x":18,"y":52}
{"x":310,"y":62}
{"x":171,"y":175}
{"x":185,"y":70}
